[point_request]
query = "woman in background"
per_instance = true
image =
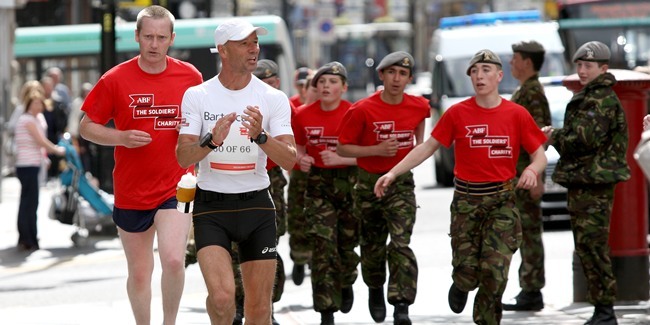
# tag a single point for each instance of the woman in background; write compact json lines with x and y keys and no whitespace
{"x":31,"y":144}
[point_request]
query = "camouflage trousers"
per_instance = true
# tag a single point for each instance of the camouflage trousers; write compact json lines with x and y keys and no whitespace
{"x":485,"y":232}
{"x":334,"y":233}
{"x":278,"y":182}
{"x":298,"y":240}
{"x":590,"y":208}
{"x":278,"y":286}
{"x":394,"y":216}
{"x":531,"y":270}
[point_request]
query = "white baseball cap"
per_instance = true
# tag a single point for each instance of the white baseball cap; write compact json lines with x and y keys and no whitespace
{"x":235,"y":29}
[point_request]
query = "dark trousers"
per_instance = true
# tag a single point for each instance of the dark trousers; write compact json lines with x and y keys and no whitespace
{"x":28,"y":177}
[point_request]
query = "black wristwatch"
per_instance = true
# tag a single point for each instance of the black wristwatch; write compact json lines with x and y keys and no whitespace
{"x":261,"y":138}
{"x":206,"y":141}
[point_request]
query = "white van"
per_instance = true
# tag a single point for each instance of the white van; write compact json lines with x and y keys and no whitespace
{"x":459,"y":38}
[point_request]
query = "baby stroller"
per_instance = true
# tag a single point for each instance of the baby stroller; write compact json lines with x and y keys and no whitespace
{"x":79,"y":202}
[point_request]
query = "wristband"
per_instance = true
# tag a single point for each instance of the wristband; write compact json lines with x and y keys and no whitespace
{"x":215,"y":145}
{"x":531,"y":170}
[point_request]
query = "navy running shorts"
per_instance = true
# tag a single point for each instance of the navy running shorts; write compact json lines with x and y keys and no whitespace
{"x":247,"y":219}
{"x":139,"y":220}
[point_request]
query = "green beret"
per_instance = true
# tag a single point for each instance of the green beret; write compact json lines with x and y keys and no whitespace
{"x":592,"y":51}
{"x":334,"y":68}
{"x":484,"y":56}
{"x":528,"y":46}
{"x":399,"y":58}
{"x":266,"y":69}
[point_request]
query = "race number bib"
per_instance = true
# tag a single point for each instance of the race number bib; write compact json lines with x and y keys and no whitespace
{"x":238,"y":155}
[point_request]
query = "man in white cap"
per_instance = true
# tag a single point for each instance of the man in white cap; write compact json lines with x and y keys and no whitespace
{"x":231,"y":124}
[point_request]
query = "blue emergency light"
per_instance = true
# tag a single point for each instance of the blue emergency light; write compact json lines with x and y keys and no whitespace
{"x":491,"y":18}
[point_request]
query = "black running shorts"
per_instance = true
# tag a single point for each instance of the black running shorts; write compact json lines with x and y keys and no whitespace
{"x":139,"y":220}
{"x":247,"y":219}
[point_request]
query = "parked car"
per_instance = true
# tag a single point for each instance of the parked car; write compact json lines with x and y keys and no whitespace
{"x":554,"y":200}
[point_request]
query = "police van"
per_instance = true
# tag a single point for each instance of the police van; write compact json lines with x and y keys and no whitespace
{"x":458,"y":38}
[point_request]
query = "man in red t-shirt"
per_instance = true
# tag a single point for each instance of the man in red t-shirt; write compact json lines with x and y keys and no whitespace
{"x":332,"y":229}
{"x":379,"y":131}
{"x":487,"y":132}
{"x":138,"y":97}
{"x":299,"y":246}
{"x":299,"y":81}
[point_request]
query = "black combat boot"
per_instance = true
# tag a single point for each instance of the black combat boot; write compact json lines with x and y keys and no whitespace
{"x":239,"y":313}
{"x":273,"y":321}
{"x":401,"y":314}
{"x":347,"y":299}
{"x":298,"y":274}
{"x":326,"y":318}
{"x":376,"y":304}
{"x":526,"y":301}
{"x":603,"y":315}
{"x":190,"y":253}
{"x":457,"y":299}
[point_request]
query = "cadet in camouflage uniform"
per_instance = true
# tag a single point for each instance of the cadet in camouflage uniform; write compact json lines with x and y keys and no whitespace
{"x":527,"y":60}
{"x":379,"y":131}
{"x":487,"y":132}
{"x":299,"y":246}
{"x":592,"y":145}
{"x":332,"y":228}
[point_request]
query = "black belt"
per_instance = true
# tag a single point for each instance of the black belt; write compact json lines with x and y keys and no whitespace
{"x":206,"y":196}
{"x":483,"y":188}
{"x":369,"y":177}
{"x":342,"y":172}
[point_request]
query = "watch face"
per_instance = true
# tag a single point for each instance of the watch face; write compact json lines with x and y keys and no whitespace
{"x":261,"y":139}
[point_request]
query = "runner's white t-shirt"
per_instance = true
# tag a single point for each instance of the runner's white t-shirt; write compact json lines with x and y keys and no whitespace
{"x":238,"y":165}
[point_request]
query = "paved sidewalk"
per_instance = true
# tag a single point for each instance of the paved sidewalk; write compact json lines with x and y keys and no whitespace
{"x":429,"y":242}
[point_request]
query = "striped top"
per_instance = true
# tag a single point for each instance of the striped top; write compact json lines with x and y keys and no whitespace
{"x":28,"y":152}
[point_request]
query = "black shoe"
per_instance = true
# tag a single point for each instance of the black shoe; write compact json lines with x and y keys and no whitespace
{"x":326,"y":318}
{"x":457,"y":299}
{"x":190,"y":254}
{"x":376,"y":304}
{"x":603,"y":315}
{"x":348,"y":299}
{"x":526,"y":301}
{"x":401,"y":314}
{"x":239,"y":315}
{"x":298,"y":274}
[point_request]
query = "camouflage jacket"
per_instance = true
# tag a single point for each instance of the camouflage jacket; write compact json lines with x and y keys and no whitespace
{"x":593,"y":142}
{"x":531,"y":96}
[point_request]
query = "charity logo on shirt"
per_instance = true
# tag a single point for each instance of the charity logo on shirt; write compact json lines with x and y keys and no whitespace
{"x":165,"y":117}
{"x":316,"y":138}
{"x":386,"y":130}
{"x":498,"y":146}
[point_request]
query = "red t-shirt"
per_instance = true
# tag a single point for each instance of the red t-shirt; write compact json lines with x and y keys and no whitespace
{"x":295,"y":100}
{"x":270,"y":163}
{"x":371,"y":121}
{"x":143,"y":177}
{"x":487,"y":141}
{"x":317,"y":129}
{"x":293,"y":126}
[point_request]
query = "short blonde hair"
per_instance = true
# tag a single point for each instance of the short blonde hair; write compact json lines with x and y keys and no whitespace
{"x":154,"y":12}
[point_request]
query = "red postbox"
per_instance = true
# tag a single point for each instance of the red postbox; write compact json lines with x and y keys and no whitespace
{"x":628,"y":235}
